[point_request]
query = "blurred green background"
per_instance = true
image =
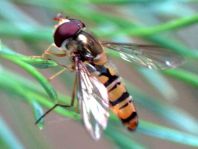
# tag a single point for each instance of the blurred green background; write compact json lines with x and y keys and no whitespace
{"x":166,"y":100}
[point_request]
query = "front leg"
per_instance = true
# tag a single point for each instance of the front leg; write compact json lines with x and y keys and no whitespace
{"x":51,"y":51}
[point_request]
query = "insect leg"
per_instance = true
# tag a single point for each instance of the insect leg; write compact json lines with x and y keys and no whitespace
{"x":52,"y":50}
{"x":65,"y":67}
{"x":52,"y":108}
{"x":61,"y":105}
{"x":74,"y":92}
{"x":57,"y":74}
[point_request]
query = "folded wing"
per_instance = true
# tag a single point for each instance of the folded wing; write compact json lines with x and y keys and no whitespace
{"x":93,"y":102}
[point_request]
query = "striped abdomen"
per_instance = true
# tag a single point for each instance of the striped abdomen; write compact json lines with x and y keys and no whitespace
{"x":120,"y":101}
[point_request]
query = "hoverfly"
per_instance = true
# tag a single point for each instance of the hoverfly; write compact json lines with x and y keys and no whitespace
{"x":99,"y":87}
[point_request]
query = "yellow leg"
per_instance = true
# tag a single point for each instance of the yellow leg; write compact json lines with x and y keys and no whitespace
{"x":46,"y":55}
{"x":52,"y":50}
{"x":69,"y":68}
{"x":57,"y":74}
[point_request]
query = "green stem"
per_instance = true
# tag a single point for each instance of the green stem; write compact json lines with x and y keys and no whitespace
{"x":147,"y":31}
{"x":183,"y":75}
{"x":32,"y":71}
{"x":126,"y":2}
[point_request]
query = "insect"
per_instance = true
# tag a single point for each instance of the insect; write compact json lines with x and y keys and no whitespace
{"x":99,"y":87}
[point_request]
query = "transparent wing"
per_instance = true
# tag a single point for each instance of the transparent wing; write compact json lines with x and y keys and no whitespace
{"x":93,"y":102}
{"x":150,"y":56}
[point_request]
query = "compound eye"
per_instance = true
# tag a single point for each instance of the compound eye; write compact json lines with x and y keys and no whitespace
{"x":65,"y":31}
{"x":78,"y":22}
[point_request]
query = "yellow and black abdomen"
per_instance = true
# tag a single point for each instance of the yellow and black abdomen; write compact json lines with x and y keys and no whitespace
{"x":120,"y":101}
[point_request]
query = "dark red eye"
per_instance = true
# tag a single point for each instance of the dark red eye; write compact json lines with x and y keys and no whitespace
{"x":67,"y":30}
{"x":81,"y":24}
